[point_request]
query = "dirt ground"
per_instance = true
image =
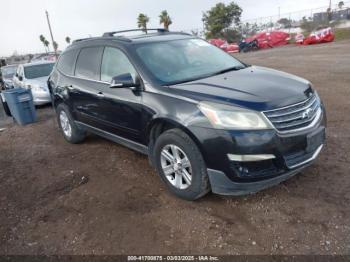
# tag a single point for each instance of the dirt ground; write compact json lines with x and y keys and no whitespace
{"x":102,"y":198}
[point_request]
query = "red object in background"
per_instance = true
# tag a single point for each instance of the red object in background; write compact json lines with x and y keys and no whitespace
{"x":321,"y":36}
{"x":217,"y":42}
{"x":230,"y":48}
{"x":270,"y":39}
{"x":299,"y":39}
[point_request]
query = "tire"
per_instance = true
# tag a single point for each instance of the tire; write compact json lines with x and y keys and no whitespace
{"x":6,"y":108}
{"x":178,"y":141}
{"x":70,"y":130}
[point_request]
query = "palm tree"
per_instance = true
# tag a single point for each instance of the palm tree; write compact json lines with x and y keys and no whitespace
{"x":165,"y":19}
{"x":68,"y":40}
{"x":42,"y":39}
{"x":142,"y":21}
{"x":55,"y":46}
{"x":47,"y":43}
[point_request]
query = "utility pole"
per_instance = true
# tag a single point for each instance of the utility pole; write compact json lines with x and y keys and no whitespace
{"x":48,"y":22}
{"x":279,"y":13}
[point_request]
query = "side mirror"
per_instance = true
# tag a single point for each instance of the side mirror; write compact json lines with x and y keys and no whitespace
{"x":124,"y":80}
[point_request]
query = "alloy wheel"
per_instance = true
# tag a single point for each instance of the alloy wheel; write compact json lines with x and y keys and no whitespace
{"x":176,"y":166}
{"x":66,"y":127}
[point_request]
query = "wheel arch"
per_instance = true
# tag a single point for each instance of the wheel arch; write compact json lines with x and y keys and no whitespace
{"x":159,"y":125}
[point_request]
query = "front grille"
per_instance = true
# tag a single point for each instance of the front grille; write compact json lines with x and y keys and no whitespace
{"x":297,"y":116}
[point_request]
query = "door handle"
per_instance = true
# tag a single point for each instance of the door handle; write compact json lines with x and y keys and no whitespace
{"x":100,"y":95}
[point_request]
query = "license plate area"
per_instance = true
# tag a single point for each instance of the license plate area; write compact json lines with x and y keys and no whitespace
{"x":315,"y":139}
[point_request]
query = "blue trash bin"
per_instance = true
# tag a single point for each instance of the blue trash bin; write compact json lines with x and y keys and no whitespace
{"x":20,"y":103}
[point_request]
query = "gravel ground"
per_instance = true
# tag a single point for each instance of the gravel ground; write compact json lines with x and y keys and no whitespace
{"x":102,"y":198}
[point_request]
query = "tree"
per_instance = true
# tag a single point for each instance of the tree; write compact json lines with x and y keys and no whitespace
{"x":42,"y":39}
{"x":285,"y":22}
{"x":308,"y":25}
{"x":341,"y":4}
{"x":221,"y":17}
{"x":55,"y":46}
{"x":232,"y":35}
{"x":195,"y":32}
{"x":47,"y":43}
{"x":142,"y":21}
{"x":165,"y":19}
{"x":68,"y":40}
{"x":248,"y":29}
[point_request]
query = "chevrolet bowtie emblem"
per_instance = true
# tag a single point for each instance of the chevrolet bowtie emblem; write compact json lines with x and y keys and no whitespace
{"x":307,"y":113}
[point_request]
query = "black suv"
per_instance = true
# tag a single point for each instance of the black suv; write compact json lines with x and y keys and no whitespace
{"x":207,"y":121}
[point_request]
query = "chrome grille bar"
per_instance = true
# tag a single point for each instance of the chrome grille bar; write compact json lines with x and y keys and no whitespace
{"x":295,"y":117}
{"x":286,"y":111}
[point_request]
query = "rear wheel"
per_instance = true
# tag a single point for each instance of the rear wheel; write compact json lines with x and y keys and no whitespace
{"x":180,"y":165}
{"x":70,"y":130}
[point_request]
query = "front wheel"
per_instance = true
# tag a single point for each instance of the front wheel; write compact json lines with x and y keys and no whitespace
{"x":180,"y":165}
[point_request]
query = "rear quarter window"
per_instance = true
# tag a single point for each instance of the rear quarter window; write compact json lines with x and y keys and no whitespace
{"x":67,"y":61}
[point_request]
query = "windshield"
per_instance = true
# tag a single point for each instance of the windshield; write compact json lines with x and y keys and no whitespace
{"x":173,"y":62}
{"x":36,"y":71}
{"x":8,"y":71}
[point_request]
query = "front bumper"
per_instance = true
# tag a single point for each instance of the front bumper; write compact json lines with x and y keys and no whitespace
{"x":41,"y":98}
{"x":221,"y":184}
{"x":292,"y":153}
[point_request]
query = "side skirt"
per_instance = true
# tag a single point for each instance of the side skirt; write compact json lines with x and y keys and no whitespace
{"x":120,"y":140}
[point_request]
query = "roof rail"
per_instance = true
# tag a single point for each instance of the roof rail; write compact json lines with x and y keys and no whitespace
{"x":159,"y":30}
{"x":81,"y":39}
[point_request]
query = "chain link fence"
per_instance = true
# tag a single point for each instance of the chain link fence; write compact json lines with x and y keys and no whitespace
{"x":338,"y":16}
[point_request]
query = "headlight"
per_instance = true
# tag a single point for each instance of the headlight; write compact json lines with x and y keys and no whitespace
{"x":230,"y":117}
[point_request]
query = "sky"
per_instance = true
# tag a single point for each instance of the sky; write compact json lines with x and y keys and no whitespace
{"x":22,"y":21}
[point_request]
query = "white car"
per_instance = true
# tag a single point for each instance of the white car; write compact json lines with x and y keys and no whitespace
{"x":34,"y":76}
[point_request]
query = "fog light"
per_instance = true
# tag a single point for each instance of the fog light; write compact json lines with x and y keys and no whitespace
{"x":249,"y":158}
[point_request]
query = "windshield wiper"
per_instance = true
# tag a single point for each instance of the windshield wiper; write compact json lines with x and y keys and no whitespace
{"x":183,"y":81}
{"x":234,"y":68}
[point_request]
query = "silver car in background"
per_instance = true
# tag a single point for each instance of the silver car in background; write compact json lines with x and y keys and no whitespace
{"x":34,"y":76}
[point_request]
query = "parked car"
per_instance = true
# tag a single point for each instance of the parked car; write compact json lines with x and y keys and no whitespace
{"x":207,"y":121}
{"x":7,"y":73}
{"x":34,"y":76}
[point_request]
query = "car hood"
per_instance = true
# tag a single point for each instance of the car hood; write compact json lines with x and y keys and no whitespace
{"x":41,"y":81}
{"x":8,"y":81}
{"x":254,"y":87}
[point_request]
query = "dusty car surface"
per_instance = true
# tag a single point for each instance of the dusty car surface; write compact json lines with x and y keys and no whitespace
{"x":207,"y":121}
{"x":34,"y":76}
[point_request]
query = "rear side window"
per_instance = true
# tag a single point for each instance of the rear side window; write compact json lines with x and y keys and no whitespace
{"x":89,"y":62}
{"x":66,"y":62}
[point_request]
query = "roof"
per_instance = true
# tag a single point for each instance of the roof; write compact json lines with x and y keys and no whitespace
{"x":38,"y":63}
{"x":121,"y":36}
